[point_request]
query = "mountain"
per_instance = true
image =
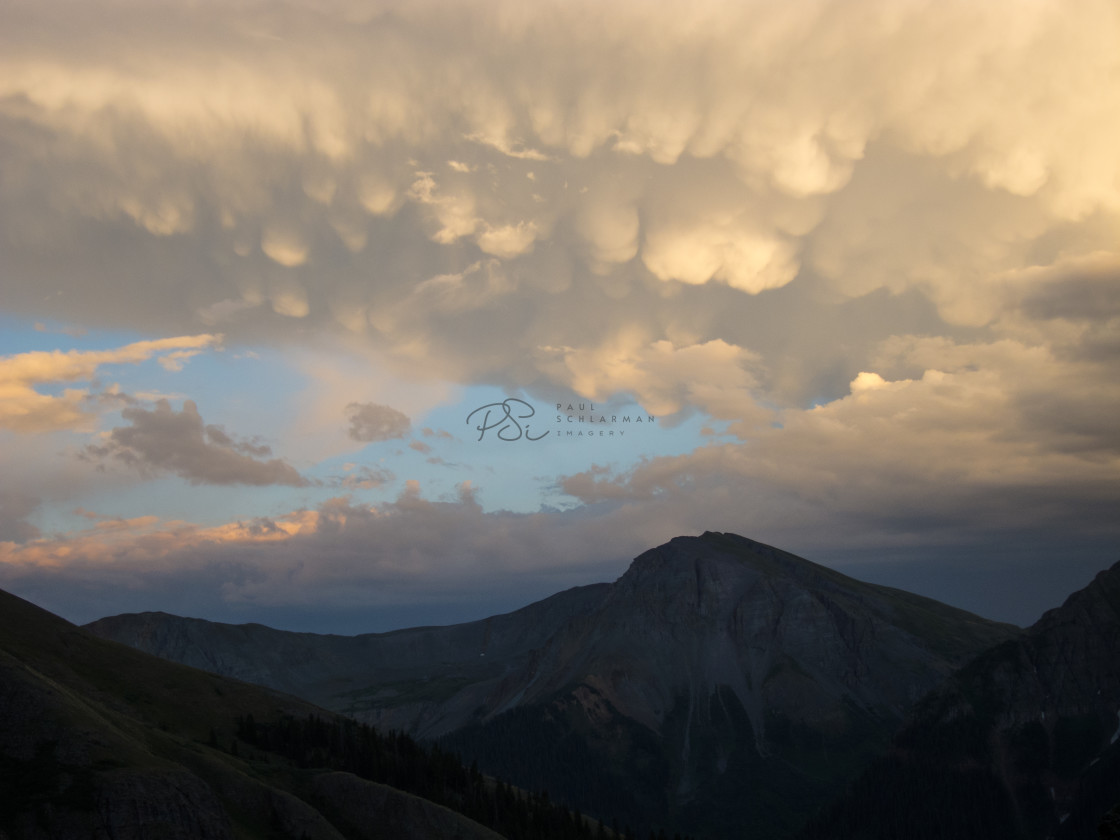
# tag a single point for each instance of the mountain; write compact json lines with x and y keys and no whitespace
{"x":714,"y":666}
{"x":426,"y":681}
{"x":1023,"y":743}
{"x":101,"y":741}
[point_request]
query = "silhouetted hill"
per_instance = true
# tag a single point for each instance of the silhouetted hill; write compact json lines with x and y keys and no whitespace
{"x":424,"y":680}
{"x":101,"y":741}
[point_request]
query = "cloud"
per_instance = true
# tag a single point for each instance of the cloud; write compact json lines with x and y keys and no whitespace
{"x":363,"y":478}
{"x":1086,"y":289}
{"x":163,"y":440}
{"x":1072,"y":306}
{"x":558,"y":171}
{"x":400,"y":551}
{"x":446,"y":559}
{"x":715,"y":376}
{"x":873,"y":243}
{"x":948,"y":432}
{"x":370,"y":422}
{"x":15,"y":508}
{"x":25,"y":409}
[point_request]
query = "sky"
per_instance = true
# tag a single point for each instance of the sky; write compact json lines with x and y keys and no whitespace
{"x":346,"y":316}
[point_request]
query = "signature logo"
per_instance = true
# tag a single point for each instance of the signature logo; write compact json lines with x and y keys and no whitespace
{"x":503,"y":418}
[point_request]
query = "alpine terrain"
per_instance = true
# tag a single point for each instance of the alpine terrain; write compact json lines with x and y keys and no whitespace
{"x":1023,"y":743}
{"x":101,"y":742}
{"x":720,"y":687}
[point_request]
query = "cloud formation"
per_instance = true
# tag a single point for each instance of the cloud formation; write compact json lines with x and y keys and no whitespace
{"x":871,"y":244}
{"x":370,"y":422}
{"x":538,"y":167}
{"x":405,"y":550}
{"x":23,"y":408}
{"x":164,"y":440}
{"x":448,"y":560}
{"x":970,"y":437}
{"x":15,"y":507}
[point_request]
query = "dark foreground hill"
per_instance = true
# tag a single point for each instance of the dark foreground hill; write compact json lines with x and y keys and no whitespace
{"x":720,"y":687}
{"x":102,"y":742}
{"x":1021,"y":744}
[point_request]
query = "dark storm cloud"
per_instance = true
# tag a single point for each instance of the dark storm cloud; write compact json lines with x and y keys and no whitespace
{"x":1092,"y":294}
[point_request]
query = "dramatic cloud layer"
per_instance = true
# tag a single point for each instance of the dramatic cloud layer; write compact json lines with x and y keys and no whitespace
{"x":859,"y":257}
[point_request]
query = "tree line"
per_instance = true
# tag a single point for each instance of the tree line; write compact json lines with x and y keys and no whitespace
{"x":426,"y":770}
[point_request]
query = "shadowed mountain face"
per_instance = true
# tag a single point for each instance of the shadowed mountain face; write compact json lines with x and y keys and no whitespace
{"x":1023,"y":743}
{"x":425,"y":681}
{"x":719,"y":686}
{"x":100,"y":741}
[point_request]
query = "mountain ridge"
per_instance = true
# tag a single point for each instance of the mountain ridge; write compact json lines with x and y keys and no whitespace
{"x":100,"y":740}
{"x":713,"y":661}
{"x":335,"y":665}
{"x":1025,"y":738}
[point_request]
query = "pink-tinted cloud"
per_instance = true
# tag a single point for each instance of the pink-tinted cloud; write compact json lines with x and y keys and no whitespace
{"x":25,"y":409}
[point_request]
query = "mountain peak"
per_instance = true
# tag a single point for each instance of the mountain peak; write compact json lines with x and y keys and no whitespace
{"x":716,"y":662}
{"x":709,"y":545}
{"x":687,"y":576}
{"x":723,"y":566}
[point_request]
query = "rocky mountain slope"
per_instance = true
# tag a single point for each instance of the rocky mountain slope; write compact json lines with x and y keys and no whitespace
{"x":752,"y":670}
{"x":1023,"y":743}
{"x":715,"y":665}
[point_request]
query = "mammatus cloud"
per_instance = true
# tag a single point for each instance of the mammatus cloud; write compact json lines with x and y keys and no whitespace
{"x":874,"y":243}
{"x":25,"y":409}
{"x":370,"y":422}
{"x":163,"y":440}
{"x":716,"y":377}
{"x":573,"y":169}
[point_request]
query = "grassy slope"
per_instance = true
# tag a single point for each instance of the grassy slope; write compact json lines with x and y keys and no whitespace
{"x":93,"y":732}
